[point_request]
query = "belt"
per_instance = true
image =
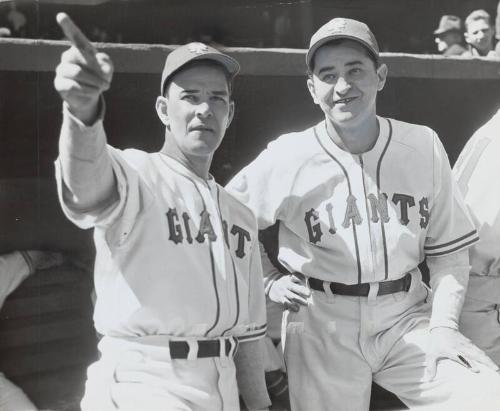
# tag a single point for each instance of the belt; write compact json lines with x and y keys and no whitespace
{"x":206,"y":348}
{"x":362,"y":290}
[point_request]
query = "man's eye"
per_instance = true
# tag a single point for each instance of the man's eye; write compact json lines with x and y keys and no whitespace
{"x":356,"y":71}
{"x":189,"y":97}
{"x":329,"y":77}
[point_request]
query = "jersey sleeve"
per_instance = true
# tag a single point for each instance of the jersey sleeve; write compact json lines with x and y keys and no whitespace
{"x":264,"y":184}
{"x":13,"y":270}
{"x":116,"y":219}
{"x":256,"y":300}
{"x":450,"y":226}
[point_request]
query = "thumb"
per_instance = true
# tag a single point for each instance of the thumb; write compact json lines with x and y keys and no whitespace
{"x":430,"y":368}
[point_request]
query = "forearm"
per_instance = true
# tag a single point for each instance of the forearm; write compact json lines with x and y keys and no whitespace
{"x":88,"y":177}
{"x":250,"y":375}
{"x":449,"y":279}
{"x":269,"y":271}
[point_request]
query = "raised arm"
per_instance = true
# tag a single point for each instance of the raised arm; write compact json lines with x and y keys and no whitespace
{"x":81,"y":77}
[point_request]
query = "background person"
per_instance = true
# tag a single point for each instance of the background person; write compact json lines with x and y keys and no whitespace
{"x":477,"y":164}
{"x":448,"y":36}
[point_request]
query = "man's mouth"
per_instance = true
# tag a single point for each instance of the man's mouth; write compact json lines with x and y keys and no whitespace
{"x":345,"y":100}
{"x":201,"y":128}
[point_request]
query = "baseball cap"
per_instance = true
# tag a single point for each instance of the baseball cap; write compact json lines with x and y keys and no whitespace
{"x":195,"y":51}
{"x":447,"y":23}
{"x":343,"y":28}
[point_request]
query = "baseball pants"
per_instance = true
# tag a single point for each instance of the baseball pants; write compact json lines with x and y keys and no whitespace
{"x":480,"y":318}
{"x":132,"y":376}
{"x":337,"y":345}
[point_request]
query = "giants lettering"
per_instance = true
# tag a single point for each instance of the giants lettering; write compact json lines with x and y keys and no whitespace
{"x":178,"y":232}
{"x":378,"y":210}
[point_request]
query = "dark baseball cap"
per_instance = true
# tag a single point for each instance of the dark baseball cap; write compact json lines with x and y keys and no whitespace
{"x":195,"y":51}
{"x":447,"y":23}
{"x":343,"y":28}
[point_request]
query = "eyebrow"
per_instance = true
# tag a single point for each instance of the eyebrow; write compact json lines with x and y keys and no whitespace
{"x":351,"y":63}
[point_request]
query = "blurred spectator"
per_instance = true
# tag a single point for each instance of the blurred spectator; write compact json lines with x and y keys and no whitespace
{"x":5,"y":32}
{"x":17,"y":21}
{"x":448,"y":36}
{"x":479,"y":34}
{"x":14,"y":268}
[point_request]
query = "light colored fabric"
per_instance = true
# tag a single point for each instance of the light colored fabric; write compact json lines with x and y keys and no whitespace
{"x":176,"y":254}
{"x":357,"y":218}
{"x":449,"y":280}
{"x":477,"y":171}
{"x":177,"y":257}
{"x":13,"y":271}
{"x":338,"y":345}
{"x":12,"y":398}
{"x":480,"y":322}
{"x":134,"y":376}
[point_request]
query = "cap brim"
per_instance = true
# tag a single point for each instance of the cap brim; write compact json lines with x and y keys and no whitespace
{"x":319,"y":43}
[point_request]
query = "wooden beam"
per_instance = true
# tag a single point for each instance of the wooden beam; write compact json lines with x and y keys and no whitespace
{"x":43,"y":56}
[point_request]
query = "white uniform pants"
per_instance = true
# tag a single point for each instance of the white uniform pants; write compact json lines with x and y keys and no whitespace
{"x":134,"y":376}
{"x":480,"y":318}
{"x":12,"y":398}
{"x":338,"y":345}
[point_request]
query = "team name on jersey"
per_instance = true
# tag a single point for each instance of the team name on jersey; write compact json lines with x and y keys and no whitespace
{"x":378,"y":211}
{"x":180,"y":230}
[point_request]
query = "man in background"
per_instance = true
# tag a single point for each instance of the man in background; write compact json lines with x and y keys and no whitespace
{"x":448,"y":36}
{"x":479,"y":34}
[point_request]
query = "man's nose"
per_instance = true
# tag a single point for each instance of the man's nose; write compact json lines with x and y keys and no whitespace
{"x":203,"y":110}
{"x":342,"y":86}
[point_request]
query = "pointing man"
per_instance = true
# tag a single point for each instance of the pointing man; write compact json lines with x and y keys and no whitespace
{"x":361,"y":201}
{"x":177,"y":275}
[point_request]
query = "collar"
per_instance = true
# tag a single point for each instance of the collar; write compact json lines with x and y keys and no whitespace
{"x":333,"y":149}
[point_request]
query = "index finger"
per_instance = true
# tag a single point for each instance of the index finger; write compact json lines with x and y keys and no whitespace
{"x":76,"y":36}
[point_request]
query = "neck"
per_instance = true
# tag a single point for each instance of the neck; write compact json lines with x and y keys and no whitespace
{"x":197,"y":164}
{"x":356,"y":140}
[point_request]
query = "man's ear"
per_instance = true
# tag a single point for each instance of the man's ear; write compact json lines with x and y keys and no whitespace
{"x":230,"y":115}
{"x":312,"y":90}
{"x":466,"y":37}
{"x":161,"y":109}
{"x":382,"y":76}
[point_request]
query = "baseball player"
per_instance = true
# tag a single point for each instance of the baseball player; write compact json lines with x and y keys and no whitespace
{"x":178,"y":276}
{"x":361,"y":201}
{"x":475,"y":168}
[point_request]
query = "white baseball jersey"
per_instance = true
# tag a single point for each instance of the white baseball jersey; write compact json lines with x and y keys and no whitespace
{"x":176,"y":255}
{"x":478,"y":171}
{"x":356,"y":218}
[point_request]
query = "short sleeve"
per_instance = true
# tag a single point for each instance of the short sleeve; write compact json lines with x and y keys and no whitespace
{"x":264,"y":185}
{"x":450,"y":226}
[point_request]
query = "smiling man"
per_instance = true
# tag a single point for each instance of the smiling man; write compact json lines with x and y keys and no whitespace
{"x":362,"y":200}
{"x":178,"y":276}
{"x":479,"y":34}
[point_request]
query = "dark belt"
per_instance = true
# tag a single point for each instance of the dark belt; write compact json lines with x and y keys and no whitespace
{"x":206,"y":348}
{"x":362,"y":290}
